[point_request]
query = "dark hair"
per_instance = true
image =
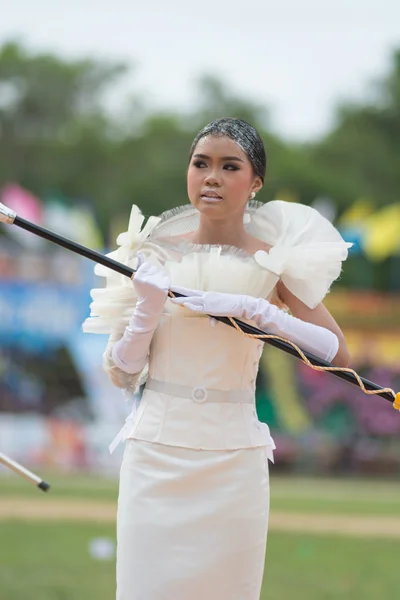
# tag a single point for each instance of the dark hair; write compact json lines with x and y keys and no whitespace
{"x":243,"y":134}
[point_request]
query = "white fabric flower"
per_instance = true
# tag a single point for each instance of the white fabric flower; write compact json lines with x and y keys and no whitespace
{"x":113,"y":304}
{"x":130,"y":241}
{"x":135,"y":235}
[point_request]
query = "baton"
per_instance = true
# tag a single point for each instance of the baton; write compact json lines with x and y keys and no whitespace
{"x":369,"y":387}
{"x":23,"y":472}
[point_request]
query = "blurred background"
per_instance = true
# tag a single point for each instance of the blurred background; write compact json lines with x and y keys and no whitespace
{"x":98,"y":108}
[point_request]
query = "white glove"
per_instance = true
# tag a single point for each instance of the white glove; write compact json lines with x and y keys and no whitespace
{"x":320,"y":341}
{"x":130,"y":353}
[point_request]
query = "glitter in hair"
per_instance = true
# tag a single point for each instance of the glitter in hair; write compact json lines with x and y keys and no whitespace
{"x":243,"y":134}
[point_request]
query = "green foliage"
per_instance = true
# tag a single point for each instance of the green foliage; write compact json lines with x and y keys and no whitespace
{"x":58,"y":138}
{"x":364,"y":146}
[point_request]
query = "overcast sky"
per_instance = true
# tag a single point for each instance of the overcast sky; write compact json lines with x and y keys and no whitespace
{"x":298,"y":57}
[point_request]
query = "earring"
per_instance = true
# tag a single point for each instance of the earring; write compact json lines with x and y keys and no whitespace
{"x":252,"y":195}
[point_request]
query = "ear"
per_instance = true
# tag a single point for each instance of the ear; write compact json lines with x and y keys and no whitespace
{"x":257,"y":184}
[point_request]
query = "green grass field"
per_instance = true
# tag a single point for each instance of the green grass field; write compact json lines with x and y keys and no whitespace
{"x":43,"y":560}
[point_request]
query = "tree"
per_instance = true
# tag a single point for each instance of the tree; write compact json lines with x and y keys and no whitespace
{"x":57,"y":138}
{"x":364,"y":146}
{"x":52,"y":122}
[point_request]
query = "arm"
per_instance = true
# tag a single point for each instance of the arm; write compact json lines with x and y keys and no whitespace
{"x":318,"y":316}
{"x":311,"y":337}
{"x":129,"y":354}
{"x":121,"y":379}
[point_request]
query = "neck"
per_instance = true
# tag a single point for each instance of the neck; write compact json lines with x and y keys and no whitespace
{"x":229,"y":232}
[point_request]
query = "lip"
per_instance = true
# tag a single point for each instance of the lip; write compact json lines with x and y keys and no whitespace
{"x":211,"y":196}
{"x":211,"y":199}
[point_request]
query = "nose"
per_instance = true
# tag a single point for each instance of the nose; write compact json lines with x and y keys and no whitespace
{"x":212,"y":178}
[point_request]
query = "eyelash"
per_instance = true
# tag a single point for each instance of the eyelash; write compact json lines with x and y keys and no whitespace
{"x":200,"y":163}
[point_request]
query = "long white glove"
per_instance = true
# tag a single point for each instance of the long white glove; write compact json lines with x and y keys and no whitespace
{"x":320,"y":341}
{"x":130,"y":353}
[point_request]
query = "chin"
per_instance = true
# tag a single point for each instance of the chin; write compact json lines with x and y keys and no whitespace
{"x":210,"y":207}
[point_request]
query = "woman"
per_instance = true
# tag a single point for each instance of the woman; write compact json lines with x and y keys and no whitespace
{"x":194,"y":488}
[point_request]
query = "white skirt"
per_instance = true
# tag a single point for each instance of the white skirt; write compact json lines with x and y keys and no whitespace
{"x":192,"y":524}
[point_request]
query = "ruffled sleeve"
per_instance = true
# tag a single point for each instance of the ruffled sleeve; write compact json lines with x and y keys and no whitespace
{"x":306,"y":252}
{"x":113,"y":305}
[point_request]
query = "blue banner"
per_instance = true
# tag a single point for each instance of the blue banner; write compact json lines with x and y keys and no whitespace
{"x":38,"y":315}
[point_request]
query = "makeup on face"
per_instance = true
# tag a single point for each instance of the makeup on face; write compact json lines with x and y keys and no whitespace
{"x":219,"y":175}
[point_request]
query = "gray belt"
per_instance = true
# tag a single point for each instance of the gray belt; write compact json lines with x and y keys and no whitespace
{"x":200,"y":394}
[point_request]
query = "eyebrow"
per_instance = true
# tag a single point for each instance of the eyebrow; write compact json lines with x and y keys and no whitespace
{"x":223,"y":158}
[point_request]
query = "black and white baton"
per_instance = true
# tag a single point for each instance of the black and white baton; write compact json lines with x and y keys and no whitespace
{"x":368,"y":387}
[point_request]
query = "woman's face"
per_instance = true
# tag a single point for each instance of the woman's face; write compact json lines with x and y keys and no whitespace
{"x":220,"y":177}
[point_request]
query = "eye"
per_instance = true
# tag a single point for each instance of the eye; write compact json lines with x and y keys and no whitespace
{"x":231,"y":167}
{"x":199,"y":164}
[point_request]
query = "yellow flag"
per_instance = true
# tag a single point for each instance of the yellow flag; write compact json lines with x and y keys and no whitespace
{"x":356,"y":213}
{"x":382,"y":233}
{"x":280,"y":369}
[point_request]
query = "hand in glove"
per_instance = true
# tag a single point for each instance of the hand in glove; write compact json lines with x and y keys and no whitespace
{"x":151,"y":282}
{"x":315,"y":339}
{"x":214,"y":303}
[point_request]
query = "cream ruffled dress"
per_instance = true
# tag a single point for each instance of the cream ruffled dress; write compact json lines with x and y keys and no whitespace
{"x":194,"y":488}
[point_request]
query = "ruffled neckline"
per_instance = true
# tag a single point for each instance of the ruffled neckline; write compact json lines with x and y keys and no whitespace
{"x":306,"y":254}
{"x":304,"y":249}
{"x":188,"y":218}
{"x":185,"y":246}
{"x":178,"y":211}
